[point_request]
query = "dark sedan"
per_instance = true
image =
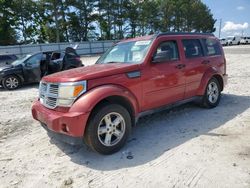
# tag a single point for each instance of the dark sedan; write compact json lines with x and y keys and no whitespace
{"x":32,"y":67}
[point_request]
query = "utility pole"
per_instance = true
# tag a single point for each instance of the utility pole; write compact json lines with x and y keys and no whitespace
{"x":220,"y":27}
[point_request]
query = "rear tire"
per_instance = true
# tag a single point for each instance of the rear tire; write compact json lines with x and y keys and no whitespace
{"x":108,"y":129}
{"x":211,"y":97}
{"x":11,"y":82}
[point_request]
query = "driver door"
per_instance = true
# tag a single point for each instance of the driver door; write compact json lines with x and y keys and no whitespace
{"x":164,"y":81}
{"x":32,"y":69}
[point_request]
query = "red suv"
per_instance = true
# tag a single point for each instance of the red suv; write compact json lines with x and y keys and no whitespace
{"x":100,"y":103}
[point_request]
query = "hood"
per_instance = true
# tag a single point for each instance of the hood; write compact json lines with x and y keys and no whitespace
{"x":5,"y":67}
{"x":91,"y":72}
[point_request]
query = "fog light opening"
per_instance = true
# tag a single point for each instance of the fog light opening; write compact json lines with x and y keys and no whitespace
{"x":65,"y":128}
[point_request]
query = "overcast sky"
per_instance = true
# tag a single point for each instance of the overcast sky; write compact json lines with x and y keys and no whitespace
{"x":235,"y":15}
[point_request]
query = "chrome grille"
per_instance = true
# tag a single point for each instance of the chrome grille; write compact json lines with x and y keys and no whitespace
{"x":48,"y":94}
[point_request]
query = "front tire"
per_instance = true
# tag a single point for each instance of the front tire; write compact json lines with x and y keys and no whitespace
{"x":211,"y":97}
{"x":11,"y":82}
{"x":108,"y":129}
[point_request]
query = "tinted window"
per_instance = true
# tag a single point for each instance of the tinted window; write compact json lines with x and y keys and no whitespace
{"x":169,"y":49}
{"x":36,"y":59}
{"x":212,"y":47}
{"x":192,"y":48}
{"x":55,"y":56}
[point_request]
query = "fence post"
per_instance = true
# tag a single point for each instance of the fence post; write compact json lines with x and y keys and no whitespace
{"x":20,"y":49}
{"x":103,"y":48}
{"x":90,"y":48}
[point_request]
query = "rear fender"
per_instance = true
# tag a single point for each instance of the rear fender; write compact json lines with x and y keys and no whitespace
{"x":211,"y":72}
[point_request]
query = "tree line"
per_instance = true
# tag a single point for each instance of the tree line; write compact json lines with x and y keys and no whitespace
{"x":41,"y":21}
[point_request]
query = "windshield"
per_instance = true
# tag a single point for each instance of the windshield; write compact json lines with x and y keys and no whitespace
{"x":127,"y":52}
{"x":20,"y":60}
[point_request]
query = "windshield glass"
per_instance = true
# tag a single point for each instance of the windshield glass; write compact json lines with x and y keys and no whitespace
{"x":127,"y":52}
{"x":20,"y":60}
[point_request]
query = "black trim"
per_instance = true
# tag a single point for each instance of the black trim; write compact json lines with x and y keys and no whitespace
{"x":134,"y":74}
{"x":184,"y":33}
{"x":169,"y":106}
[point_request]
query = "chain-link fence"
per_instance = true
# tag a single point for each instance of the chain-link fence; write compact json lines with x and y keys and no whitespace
{"x":84,"y":48}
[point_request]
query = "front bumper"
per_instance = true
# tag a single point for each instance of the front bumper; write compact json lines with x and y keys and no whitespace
{"x":68,"y":123}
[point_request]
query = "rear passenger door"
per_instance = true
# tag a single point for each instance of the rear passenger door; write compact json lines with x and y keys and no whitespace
{"x":196,"y":65}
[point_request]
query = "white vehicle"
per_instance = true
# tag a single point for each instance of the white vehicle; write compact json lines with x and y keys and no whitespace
{"x":233,"y":40}
{"x":223,"y":42}
{"x":245,"y":40}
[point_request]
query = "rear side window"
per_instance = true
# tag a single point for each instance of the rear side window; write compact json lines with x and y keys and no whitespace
{"x":169,"y":49}
{"x":212,"y":47}
{"x":192,"y":48}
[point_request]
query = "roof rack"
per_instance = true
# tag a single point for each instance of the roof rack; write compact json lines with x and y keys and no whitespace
{"x":184,"y":33}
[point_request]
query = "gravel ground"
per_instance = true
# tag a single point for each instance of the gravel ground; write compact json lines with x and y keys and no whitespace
{"x":185,"y":147}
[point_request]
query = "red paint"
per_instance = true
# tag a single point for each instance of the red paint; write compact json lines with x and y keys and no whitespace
{"x":159,"y":84}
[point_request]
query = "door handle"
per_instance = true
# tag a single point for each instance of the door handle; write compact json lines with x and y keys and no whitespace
{"x":180,"y":66}
{"x":205,"y":62}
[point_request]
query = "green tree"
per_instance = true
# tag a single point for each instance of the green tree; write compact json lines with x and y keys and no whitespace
{"x":7,"y":22}
{"x":186,"y":15}
{"x":80,"y":20}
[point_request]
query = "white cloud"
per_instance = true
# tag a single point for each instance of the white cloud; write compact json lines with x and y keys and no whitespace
{"x":231,"y":26}
{"x":240,"y":8}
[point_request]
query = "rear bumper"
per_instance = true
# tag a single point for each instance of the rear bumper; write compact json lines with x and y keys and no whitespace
{"x":225,"y":79}
{"x":68,"y":123}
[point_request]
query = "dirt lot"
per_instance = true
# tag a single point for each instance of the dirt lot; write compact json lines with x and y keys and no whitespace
{"x":185,"y":147}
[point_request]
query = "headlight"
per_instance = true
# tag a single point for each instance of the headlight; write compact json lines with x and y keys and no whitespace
{"x":68,"y":92}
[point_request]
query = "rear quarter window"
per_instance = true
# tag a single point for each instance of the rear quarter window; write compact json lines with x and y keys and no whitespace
{"x":212,"y":47}
{"x":192,"y":48}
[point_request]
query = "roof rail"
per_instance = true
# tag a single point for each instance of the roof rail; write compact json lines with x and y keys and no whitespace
{"x":183,"y":33}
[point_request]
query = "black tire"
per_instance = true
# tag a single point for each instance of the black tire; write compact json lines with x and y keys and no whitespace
{"x":211,"y":100}
{"x":93,"y":137}
{"x":11,"y":82}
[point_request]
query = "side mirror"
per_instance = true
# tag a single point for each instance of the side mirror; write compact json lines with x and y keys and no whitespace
{"x":161,"y":56}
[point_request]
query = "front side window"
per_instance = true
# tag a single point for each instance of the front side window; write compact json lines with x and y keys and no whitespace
{"x":127,"y":52}
{"x":168,"y":51}
{"x":36,"y":59}
{"x":212,"y":47}
{"x":192,"y":48}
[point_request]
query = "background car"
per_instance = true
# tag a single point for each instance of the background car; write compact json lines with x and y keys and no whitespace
{"x":7,"y":58}
{"x":223,"y":42}
{"x":32,"y":67}
{"x":245,"y":40}
{"x":233,"y":40}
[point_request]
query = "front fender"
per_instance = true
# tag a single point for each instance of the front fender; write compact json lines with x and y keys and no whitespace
{"x":211,"y":72}
{"x":89,"y":100}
